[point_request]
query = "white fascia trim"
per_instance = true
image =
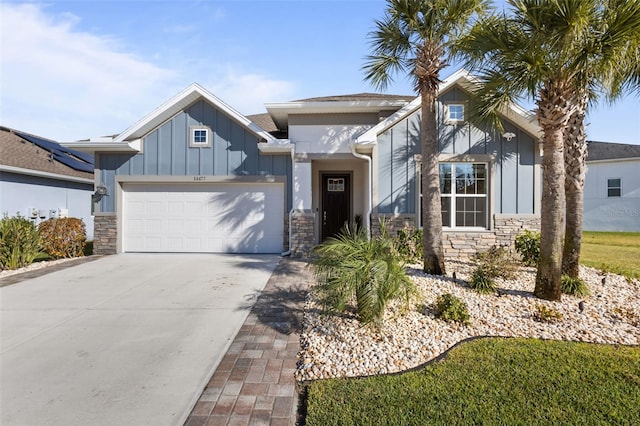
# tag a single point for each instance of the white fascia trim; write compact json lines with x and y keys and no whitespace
{"x":467,"y":81}
{"x":134,"y":146}
{"x":180,"y":101}
{"x":38,"y":173}
{"x":613,"y":160}
{"x":279,"y":146}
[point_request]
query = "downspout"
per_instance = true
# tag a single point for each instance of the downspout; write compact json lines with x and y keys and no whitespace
{"x":369,"y":192}
{"x":293,"y":165}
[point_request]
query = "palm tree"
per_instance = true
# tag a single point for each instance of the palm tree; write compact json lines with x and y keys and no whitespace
{"x":535,"y":51}
{"x":414,"y":38}
{"x":613,"y":44}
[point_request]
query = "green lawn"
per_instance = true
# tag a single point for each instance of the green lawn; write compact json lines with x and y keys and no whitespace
{"x":617,"y":252}
{"x":493,"y":381}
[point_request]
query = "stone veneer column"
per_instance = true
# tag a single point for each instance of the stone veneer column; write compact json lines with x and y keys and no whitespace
{"x":303,"y":233}
{"x":105,"y":234}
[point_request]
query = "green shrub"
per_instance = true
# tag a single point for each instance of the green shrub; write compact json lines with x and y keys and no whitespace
{"x":408,"y":244}
{"x":64,"y":237}
{"x":451,"y":309}
{"x":574,"y":286}
{"x":352,"y":268}
{"x":88,"y":248}
{"x":528,"y":245}
{"x":19,"y":242}
{"x":482,"y":282}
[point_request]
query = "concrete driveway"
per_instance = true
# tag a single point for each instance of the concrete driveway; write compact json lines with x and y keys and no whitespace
{"x":128,"y":339}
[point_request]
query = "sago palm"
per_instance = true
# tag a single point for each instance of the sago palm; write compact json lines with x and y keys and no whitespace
{"x":354,"y":269}
{"x":532,"y":51}
{"x":413,"y":38}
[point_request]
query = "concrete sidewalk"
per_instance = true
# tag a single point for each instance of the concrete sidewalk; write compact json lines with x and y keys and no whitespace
{"x":124,"y":340}
{"x":254,"y":383}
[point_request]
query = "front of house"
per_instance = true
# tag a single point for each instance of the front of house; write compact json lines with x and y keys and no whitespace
{"x":197,"y":176}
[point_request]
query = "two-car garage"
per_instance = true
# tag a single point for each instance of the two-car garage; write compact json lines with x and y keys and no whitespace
{"x":203,"y":217}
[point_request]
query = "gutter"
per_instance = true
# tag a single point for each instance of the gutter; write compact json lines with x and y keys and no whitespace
{"x":370,"y":186}
{"x":292,"y":149}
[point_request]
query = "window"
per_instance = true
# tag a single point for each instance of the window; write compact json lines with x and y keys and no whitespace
{"x":614,"y":187}
{"x":454,"y":113}
{"x":463,"y":195}
{"x":199,"y":137}
{"x":335,"y":184}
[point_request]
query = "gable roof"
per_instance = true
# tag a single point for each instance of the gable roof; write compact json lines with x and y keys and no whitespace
{"x":130,"y":139}
{"x":597,"y":151}
{"x":520,"y":116}
{"x":24,"y":153}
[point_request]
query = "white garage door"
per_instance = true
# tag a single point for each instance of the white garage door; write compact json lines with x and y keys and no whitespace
{"x":206,"y":218}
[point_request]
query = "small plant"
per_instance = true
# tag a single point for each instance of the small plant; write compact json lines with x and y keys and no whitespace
{"x":528,"y":245}
{"x":482,"y":282}
{"x":65,"y":237}
{"x":352,"y":268}
{"x":19,"y":242}
{"x":574,"y":286}
{"x":544,"y":314}
{"x":408,"y":245}
{"x":452,"y":309}
{"x":498,"y":262}
{"x":627,"y":315}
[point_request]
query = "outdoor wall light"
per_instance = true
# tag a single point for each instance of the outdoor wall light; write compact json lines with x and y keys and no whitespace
{"x":101,"y":191}
{"x":508,"y":136}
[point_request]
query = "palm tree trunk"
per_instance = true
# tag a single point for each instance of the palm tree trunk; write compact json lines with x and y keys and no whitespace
{"x":554,"y":110}
{"x":575,"y":158}
{"x":431,"y":204}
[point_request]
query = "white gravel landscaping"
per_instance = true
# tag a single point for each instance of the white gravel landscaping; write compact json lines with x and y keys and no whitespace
{"x":338,"y":346}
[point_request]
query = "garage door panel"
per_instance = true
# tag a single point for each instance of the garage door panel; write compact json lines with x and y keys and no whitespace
{"x":233,"y":218}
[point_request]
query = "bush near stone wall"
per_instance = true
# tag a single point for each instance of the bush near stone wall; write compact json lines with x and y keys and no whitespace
{"x":65,"y":237}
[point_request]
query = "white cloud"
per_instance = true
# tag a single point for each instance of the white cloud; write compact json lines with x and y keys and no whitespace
{"x":62,"y":83}
{"x":248,"y":92}
{"x":66,"y":84}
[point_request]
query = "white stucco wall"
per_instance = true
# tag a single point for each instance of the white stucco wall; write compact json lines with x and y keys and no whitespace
{"x":45,"y":194}
{"x":325,"y":139}
{"x":603,"y":213}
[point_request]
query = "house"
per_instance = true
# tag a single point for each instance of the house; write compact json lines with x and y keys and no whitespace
{"x":612,"y":187}
{"x":195,"y":175}
{"x":40,"y":179}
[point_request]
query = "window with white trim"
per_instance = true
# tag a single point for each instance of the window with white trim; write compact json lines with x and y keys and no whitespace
{"x":614,"y":187}
{"x":454,"y":113}
{"x":463,"y":195}
{"x":200,"y":137}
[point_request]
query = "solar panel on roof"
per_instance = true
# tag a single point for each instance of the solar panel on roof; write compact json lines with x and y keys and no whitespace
{"x":69,"y":157}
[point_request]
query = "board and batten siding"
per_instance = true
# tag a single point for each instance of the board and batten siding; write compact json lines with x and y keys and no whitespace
{"x":166,"y":152}
{"x":511,"y":172}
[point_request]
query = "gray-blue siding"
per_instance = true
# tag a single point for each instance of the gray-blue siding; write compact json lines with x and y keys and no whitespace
{"x":513,"y":167}
{"x":166,"y":152}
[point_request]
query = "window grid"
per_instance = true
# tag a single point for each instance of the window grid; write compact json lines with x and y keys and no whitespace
{"x":463,"y":197}
{"x":455,"y":112}
{"x":614,"y":187}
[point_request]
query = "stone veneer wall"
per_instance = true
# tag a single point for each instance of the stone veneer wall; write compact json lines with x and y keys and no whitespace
{"x":460,"y":244}
{"x":303,"y":233}
{"x":105,"y":234}
{"x":285,"y":239}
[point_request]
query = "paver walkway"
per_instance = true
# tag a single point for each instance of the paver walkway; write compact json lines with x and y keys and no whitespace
{"x":254,"y":383}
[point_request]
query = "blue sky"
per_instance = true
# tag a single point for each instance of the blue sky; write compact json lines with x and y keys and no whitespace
{"x":75,"y":69}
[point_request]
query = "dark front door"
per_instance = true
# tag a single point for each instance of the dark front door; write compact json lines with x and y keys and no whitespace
{"x":336,"y":206}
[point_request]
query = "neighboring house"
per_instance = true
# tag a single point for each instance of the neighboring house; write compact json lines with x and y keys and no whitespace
{"x":197,"y":176}
{"x":612,"y":187}
{"x":40,"y":179}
